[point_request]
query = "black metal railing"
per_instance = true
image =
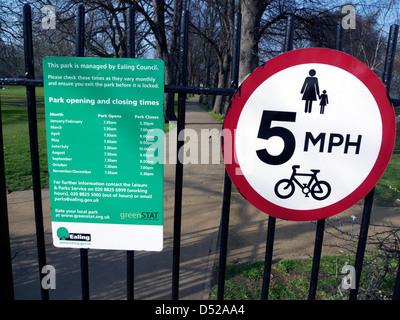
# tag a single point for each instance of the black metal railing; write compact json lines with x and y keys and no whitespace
{"x":30,"y":82}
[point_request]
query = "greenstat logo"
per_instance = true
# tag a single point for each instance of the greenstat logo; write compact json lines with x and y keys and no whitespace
{"x":64,"y":234}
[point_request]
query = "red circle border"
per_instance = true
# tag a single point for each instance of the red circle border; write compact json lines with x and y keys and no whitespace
{"x":279,"y":63}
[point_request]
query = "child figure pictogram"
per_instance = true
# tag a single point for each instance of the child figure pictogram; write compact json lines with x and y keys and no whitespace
{"x":324,"y":101}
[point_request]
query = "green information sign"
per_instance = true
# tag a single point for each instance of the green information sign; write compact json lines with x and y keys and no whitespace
{"x":104,"y":121}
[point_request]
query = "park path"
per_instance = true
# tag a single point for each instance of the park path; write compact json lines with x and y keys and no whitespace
{"x":202,"y":199}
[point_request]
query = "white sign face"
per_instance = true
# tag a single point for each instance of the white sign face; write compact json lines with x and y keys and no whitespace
{"x":308,"y":135}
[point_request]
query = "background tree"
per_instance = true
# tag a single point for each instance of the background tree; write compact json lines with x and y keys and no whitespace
{"x":252,"y":12}
{"x":211,"y":27}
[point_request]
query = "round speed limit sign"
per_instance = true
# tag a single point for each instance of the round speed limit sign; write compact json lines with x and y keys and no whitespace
{"x":308,"y":134}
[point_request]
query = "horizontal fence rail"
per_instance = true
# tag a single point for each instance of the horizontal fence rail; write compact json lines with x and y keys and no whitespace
{"x":167,"y":88}
{"x":30,"y":82}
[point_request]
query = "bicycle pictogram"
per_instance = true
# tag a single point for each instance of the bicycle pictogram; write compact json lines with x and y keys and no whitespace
{"x":319,"y":189}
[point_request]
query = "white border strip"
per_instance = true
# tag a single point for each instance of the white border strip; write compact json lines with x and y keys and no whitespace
{"x":111,"y":236}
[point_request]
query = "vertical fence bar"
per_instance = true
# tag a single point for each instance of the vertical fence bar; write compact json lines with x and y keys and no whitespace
{"x":387,"y":78}
{"x":80,"y":52}
{"x":390,"y":56}
{"x":224,"y":236}
{"x":319,"y":236}
{"x":131,"y":40}
{"x":362,"y":240}
{"x":269,"y":250}
{"x":339,"y":36}
{"x":224,"y":225}
{"x":288,"y":46}
{"x":80,"y":32}
{"x":6,"y":284}
{"x":183,"y":53}
{"x":130,"y":263}
{"x":84,"y":259}
{"x":237,"y":29}
{"x":396,"y":291}
{"x":34,"y":145}
{"x":268,"y":257}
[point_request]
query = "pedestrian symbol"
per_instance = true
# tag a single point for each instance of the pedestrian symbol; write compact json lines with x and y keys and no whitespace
{"x":310,"y":91}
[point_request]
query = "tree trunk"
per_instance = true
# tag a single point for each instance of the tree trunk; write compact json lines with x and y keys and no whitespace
{"x":224,"y":52}
{"x":252,"y":12}
{"x":223,"y":79}
{"x":169,"y":55}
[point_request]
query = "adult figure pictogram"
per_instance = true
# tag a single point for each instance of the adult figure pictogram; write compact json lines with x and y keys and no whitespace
{"x":310,"y":90}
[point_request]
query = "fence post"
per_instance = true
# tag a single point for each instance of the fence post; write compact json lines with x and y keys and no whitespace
{"x":339,"y":36}
{"x":80,"y":52}
{"x":387,"y":78}
{"x":34,"y":145}
{"x":390,"y":56}
{"x":288,"y":46}
{"x":183,"y":53}
{"x":319,"y":236}
{"x":269,"y":250}
{"x":130,"y":254}
{"x":80,"y":32}
{"x":362,"y":241}
{"x":396,"y":291}
{"x":6,"y":284}
{"x":224,"y":225}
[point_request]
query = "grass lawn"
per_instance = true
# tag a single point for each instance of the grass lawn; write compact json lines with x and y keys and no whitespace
{"x":16,"y":138}
{"x":290,"y":279}
{"x":387,"y":191}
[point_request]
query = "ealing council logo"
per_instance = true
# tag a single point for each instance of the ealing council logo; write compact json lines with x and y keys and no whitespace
{"x":64,"y":234}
